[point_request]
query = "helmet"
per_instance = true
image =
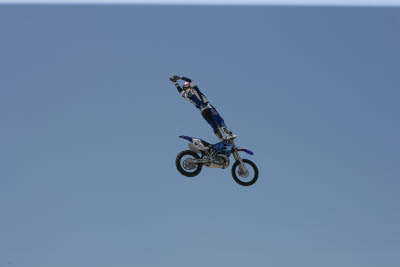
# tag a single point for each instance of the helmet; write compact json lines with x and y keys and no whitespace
{"x":186,"y":85}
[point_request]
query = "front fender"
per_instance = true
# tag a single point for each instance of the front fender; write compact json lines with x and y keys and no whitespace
{"x":245,"y":150}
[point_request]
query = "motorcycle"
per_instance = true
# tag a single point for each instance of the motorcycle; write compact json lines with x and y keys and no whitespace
{"x":190,"y":162}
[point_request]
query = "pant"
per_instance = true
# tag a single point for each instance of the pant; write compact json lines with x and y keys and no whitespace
{"x":213,"y":118}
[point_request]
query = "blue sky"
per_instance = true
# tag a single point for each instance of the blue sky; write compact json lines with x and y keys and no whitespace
{"x":90,"y":124}
{"x":222,"y":2}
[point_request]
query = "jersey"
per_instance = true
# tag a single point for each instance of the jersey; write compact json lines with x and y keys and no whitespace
{"x":193,"y":95}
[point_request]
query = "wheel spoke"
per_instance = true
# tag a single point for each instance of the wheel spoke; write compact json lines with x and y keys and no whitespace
{"x":246,"y":171}
{"x":246,"y":174}
{"x":185,"y":163}
{"x":188,"y":165}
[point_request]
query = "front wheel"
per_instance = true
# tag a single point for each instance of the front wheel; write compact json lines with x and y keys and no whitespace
{"x":185,"y":166}
{"x":245,"y":177}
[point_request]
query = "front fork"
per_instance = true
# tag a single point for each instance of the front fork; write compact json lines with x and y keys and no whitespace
{"x":236,"y":154}
{"x":237,"y":157}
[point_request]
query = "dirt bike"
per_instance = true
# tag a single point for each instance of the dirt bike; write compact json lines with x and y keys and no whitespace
{"x":190,"y":162}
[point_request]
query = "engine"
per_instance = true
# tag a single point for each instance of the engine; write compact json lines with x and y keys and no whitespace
{"x":219,"y":161}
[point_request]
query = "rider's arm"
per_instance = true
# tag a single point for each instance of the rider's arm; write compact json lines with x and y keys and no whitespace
{"x":186,"y":79}
{"x":178,"y":87}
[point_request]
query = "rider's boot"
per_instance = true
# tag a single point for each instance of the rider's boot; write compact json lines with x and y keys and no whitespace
{"x":228,"y":133}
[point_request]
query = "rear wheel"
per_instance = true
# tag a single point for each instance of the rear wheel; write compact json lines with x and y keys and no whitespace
{"x":245,"y":177}
{"x":184,"y":163}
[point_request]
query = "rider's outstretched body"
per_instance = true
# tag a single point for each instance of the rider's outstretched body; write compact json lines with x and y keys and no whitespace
{"x":191,"y":92}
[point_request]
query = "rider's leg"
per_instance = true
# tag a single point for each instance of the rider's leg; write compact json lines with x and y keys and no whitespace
{"x":207,"y":115}
{"x":221,"y":124}
{"x":219,"y":135}
{"x":217,"y":131}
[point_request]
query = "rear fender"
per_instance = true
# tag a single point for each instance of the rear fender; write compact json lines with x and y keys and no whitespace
{"x":190,"y":139}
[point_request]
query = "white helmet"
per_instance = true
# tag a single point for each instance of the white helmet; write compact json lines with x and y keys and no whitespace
{"x":186,"y":85}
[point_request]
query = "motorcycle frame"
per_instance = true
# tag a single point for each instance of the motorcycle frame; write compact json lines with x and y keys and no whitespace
{"x":234,"y":152}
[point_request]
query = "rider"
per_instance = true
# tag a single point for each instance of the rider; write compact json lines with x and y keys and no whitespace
{"x":192,"y":93}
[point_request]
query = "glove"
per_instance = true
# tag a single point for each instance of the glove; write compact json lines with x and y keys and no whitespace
{"x":175,"y":78}
{"x":172,"y":79}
